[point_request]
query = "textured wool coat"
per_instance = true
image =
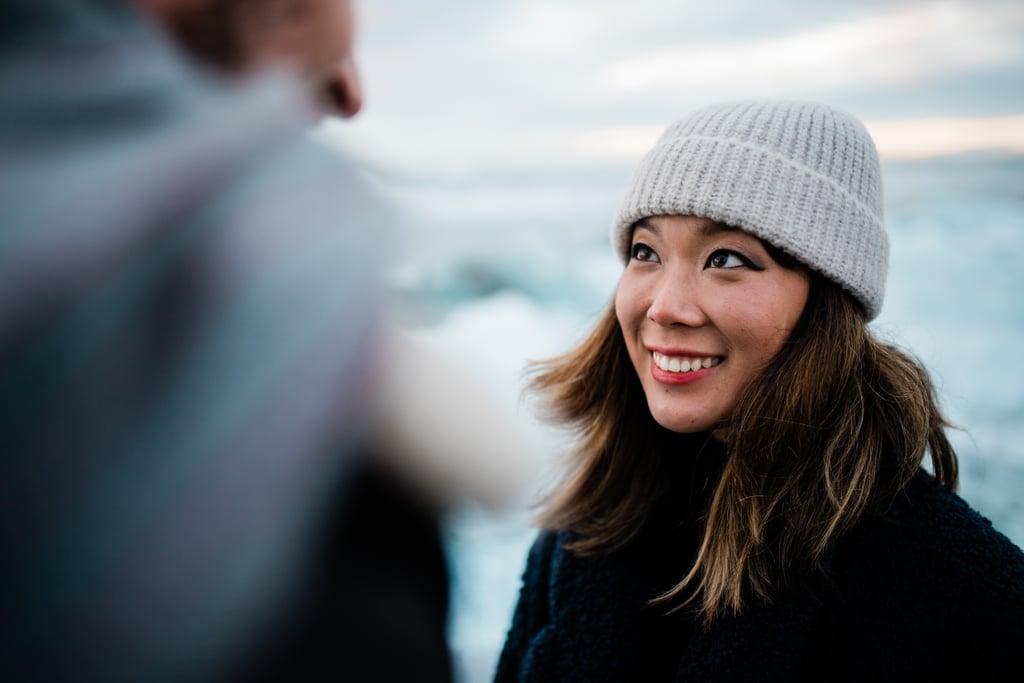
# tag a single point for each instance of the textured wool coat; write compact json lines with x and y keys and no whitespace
{"x":924,"y":592}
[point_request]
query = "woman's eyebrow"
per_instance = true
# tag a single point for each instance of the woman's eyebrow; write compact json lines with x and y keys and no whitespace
{"x":707,"y":229}
{"x":646,"y":225}
{"x":712,"y":228}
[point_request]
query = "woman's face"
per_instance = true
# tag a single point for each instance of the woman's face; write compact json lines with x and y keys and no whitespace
{"x":703,"y":308}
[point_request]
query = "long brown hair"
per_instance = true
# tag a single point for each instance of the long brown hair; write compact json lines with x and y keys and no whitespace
{"x":829,"y":432}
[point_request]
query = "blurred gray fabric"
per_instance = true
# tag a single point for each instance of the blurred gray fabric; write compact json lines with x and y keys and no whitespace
{"x":187,"y":303}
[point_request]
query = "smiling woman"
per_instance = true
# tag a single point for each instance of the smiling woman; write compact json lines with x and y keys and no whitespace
{"x":703,"y":309}
{"x":749,"y":497}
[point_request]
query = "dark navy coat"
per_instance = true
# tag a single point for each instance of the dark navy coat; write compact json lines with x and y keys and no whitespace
{"x":926,"y":591}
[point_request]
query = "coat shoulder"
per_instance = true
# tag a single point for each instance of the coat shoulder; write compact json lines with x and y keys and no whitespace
{"x":933,"y":559}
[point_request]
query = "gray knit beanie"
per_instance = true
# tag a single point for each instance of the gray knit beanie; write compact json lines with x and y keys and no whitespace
{"x":802,"y":176}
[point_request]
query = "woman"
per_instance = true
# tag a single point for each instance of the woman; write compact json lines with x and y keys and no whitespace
{"x":749,"y":498}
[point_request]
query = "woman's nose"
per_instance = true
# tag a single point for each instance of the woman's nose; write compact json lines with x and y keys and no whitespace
{"x":676,"y":301}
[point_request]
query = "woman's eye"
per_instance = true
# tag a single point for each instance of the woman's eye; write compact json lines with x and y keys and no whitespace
{"x":642,"y":252}
{"x":723,"y":258}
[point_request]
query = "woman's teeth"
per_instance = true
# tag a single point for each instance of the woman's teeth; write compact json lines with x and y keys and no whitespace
{"x":677,"y":364}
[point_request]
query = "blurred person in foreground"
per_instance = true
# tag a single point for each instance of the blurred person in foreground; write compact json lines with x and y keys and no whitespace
{"x":218,"y":461}
{"x":762,"y":490}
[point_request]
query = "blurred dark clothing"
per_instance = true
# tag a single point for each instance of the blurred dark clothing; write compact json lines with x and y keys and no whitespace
{"x":374,"y":606}
{"x":188,"y":308}
{"x":927,"y":591}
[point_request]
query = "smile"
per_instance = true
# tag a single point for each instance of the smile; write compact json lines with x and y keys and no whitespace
{"x":681,"y":365}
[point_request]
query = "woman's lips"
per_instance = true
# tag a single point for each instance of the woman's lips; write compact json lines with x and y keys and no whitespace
{"x":681,"y":368}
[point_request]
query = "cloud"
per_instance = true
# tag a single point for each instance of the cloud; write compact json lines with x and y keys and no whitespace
{"x":943,"y":136}
{"x":549,"y":152}
{"x":887,"y":49}
{"x":545,"y":88}
{"x":913,"y":138}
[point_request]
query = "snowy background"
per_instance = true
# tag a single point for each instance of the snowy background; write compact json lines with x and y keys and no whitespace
{"x":506,"y":131}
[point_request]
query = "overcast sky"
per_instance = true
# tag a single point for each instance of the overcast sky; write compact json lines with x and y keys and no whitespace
{"x":464,"y":87}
